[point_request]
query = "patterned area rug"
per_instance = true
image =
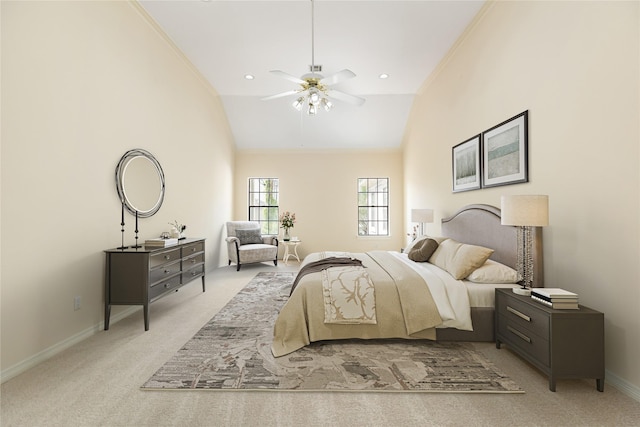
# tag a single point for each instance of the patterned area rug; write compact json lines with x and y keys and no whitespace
{"x":233,"y":352}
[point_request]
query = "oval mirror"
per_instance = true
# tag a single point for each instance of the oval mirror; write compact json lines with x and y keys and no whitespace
{"x":140,"y":182}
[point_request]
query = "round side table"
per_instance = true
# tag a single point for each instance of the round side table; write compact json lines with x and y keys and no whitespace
{"x":288,"y":244}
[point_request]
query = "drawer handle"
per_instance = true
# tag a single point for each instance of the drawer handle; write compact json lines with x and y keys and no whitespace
{"x":193,"y":249}
{"x":193,"y":261}
{"x":519,"y":334}
{"x":167,"y":285}
{"x":167,"y":271}
{"x":194,"y":273}
{"x":167,"y":257}
{"x":520,"y":315}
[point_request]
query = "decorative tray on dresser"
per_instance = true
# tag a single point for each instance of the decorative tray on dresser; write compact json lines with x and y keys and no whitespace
{"x":561,"y":343}
{"x":139,"y":276}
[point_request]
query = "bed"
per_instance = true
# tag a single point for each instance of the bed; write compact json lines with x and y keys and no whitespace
{"x":413,"y":300}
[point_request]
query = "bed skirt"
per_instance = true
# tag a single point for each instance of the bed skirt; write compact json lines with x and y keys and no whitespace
{"x":483,"y":319}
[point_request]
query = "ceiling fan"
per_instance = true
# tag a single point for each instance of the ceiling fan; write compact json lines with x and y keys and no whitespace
{"x":315,"y":90}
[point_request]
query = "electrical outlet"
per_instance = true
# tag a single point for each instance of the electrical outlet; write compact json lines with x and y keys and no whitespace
{"x":77,"y":302}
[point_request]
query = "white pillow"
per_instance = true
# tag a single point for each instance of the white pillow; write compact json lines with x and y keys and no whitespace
{"x":493,"y":272}
{"x":459,"y":259}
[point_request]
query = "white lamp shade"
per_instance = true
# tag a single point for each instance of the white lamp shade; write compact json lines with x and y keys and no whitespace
{"x":527,"y":210}
{"x":421,"y":215}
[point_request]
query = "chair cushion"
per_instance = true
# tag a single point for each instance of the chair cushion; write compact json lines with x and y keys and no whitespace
{"x":248,"y":237}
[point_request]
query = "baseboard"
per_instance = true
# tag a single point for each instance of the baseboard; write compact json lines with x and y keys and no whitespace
{"x":624,"y":386}
{"x":57,"y":348}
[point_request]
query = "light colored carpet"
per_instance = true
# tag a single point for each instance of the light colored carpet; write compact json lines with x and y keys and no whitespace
{"x":97,"y":383}
{"x":233,"y":351}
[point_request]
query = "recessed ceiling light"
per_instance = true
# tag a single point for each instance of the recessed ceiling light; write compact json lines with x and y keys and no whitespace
{"x":249,"y":76}
{"x":384,"y":76}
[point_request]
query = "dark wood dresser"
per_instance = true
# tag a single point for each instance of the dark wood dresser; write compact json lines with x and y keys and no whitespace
{"x":561,"y":343}
{"x":141,"y":276}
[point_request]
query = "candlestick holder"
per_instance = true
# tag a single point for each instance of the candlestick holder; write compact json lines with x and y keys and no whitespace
{"x":122,"y":246}
{"x":137,"y":246}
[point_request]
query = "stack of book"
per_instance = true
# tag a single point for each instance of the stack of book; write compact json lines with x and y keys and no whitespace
{"x":555,"y":298}
{"x":160,"y":243}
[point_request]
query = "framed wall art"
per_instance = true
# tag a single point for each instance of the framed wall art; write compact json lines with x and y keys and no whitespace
{"x":466,"y":165}
{"x":505,"y":152}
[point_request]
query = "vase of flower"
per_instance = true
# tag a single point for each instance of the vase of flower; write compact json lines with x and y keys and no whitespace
{"x":287,"y":220}
{"x":177,"y":231}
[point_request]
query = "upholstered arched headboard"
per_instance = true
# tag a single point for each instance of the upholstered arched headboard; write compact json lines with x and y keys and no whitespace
{"x":480,"y":225}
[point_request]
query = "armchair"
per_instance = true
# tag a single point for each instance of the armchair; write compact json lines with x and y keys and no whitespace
{"x":246,"y":244}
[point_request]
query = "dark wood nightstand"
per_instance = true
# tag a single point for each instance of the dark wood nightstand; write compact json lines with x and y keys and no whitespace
{"x":561,"y":343}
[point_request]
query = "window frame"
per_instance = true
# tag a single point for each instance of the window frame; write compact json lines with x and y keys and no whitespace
{"x":268,"y":213}
{"x":374,"y":205}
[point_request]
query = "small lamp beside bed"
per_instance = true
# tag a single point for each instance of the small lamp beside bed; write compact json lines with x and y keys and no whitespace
{"x":526,"y":212}
{"x":421,"y":216}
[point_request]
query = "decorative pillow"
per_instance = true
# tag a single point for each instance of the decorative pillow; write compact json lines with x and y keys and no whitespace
{"x":493,"y":272}
{"x":414,"y":243}
{"x":249,"y":236}
{"x":422,"y":251}
{"x":419,"y":239}
{"x":459,"y":259}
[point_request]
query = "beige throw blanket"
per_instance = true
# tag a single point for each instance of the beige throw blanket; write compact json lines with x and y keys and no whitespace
{"x":349,"y":296}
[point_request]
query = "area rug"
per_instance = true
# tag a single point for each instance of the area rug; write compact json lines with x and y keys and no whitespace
{"x":233,"y":352}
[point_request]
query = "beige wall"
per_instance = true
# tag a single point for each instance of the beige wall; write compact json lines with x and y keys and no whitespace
{"x":321,"y":188}
{"x":575,"y":67}
{"x":83,"y":82}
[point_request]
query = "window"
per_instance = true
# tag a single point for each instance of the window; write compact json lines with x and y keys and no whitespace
{"x":373,"y":206}
{"x":263,"y":203}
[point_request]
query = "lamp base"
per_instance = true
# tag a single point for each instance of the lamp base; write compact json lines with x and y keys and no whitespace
{"x":522,"y":291}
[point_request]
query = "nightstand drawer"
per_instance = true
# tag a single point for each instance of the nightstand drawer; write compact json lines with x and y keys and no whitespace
{"x":533,"y":344}
{"x":524,"y":316}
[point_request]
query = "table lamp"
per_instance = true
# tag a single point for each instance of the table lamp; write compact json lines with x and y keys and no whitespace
{"x":525,"y":212}
{"x":421,"y":216}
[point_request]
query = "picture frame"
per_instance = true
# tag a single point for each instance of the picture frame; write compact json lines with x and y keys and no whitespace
{"x":466,"y":165}
{"x":505,"y":154}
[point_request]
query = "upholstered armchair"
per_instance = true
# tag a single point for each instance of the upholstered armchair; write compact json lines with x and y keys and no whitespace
{"x":246,"y":244}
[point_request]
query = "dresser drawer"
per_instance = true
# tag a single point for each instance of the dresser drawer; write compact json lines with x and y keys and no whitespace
{"x":164,"y":271}
{"x":165,"y":286}
{"x":193,"y":273}
{"x":192,"y":249}
{"x":158,"y":258}
{"x":524,"y":316}
{"x":532,"y":344}
{"x":192,"y":261}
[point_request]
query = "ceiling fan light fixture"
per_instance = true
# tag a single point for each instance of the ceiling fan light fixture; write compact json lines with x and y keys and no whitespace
{"x":297,"y":104}
{"x":314,"y":96}
{"x":326,"y":104}
{"x":315,"y":88}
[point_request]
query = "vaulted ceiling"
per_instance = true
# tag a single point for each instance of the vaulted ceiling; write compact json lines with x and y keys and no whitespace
{"x":226,"y":40}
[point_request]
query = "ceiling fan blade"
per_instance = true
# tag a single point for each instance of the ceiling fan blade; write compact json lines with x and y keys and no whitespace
{"x":345,"y":97}
{"x":288,"y":76}
{"x":338,"y":77}
{"x":280,"y":95}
